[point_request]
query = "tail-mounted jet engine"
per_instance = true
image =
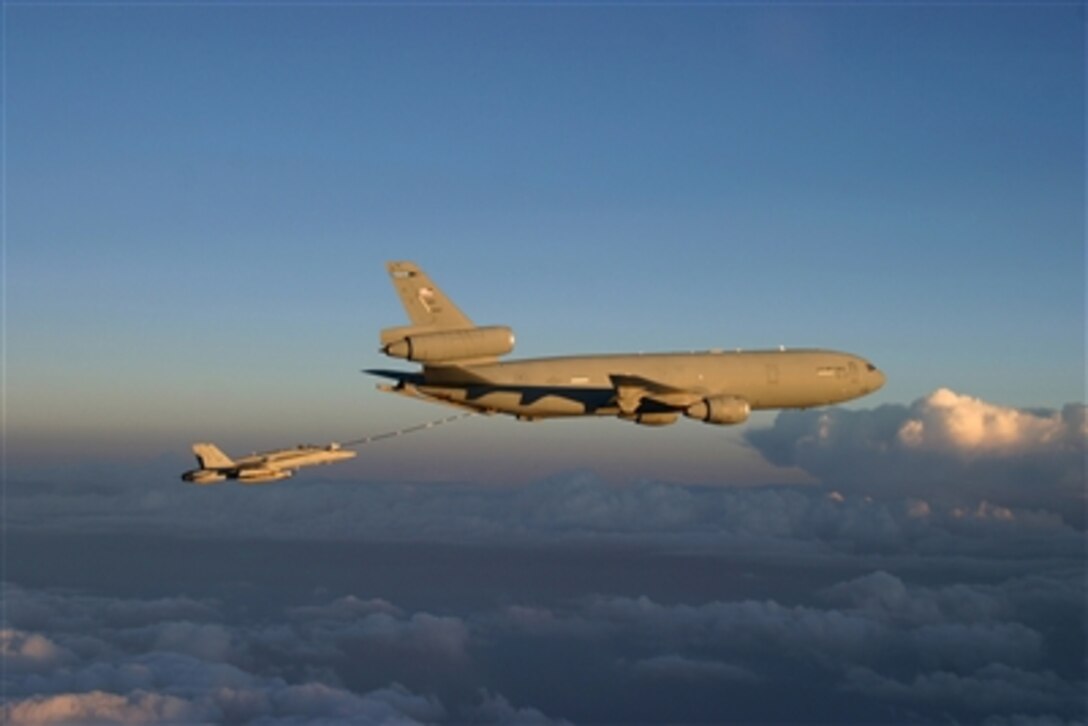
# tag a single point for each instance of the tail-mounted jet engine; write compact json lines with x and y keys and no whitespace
{"x":720,"y":410}
{"x":452,"y":345}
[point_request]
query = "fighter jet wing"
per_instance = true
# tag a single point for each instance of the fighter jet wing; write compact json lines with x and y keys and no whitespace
{"x":632,"y":390}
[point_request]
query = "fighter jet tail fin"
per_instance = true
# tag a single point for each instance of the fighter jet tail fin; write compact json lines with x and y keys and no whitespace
{"x":427,"y":306}
{"x":210,"y":457}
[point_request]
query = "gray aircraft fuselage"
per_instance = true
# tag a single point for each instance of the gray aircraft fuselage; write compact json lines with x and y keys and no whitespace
{"x":584,"y":385}
{"x":461,"y":368}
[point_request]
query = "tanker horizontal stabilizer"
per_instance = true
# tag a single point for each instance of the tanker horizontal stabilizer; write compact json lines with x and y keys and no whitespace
{"x":399,"y":376}
{"x":409,"y":390}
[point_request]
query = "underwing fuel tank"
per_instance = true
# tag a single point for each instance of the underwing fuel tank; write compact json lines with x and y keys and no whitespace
{"x":652,"y":418}
{"x":263,"y":477}
{"x":203,"y":477}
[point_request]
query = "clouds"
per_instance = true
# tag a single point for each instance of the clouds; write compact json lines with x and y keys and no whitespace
{"x":291,"y":670}
{"x":100,"y":707}
{"x":994,"y":687}
{"x":840,"y":517}
{"x":267,"y":703}
{"x":886,"y":597}
{"x":589,"y":630}
{"x":948,"y":473}
{"x":673,"y":666}
{"x":349,"y":624}
{"x":931,"y":573}
{"x":946,"y":447}
{"x":959,"y":651}
{"x":872,"y":644}
{"x":949,"y":422}
{"x":29,"y":652}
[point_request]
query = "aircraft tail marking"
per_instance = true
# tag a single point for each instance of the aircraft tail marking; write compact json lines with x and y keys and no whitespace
{"x":427,"y":306}
{"x":210,"y":457}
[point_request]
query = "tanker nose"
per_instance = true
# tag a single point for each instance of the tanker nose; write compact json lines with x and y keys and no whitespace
{"x":874,"y":378}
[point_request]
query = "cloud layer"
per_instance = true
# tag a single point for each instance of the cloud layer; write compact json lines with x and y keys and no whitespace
{"x":893,"y":471}
{"x":113,"y":660}
{"x":574,"y":508}
{"x":873,"y":647}
{"x":945,"y":448}
{"x":935,"y":572}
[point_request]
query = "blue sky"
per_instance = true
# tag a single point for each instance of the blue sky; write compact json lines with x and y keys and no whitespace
{"x":200,"y":201}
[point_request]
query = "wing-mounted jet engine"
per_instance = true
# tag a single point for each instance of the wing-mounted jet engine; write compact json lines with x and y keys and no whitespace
{"x":721,"y":410}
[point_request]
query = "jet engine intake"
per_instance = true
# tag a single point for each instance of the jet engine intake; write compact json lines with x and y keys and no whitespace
{"x":720,"y":410}
{"x":453,"y":345}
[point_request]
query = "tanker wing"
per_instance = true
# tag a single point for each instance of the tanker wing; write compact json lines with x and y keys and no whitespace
{"x":632,"y":390}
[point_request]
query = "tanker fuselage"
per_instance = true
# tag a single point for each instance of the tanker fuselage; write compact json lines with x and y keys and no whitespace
{"x":587,"y":385}
{"x":461,"y":367}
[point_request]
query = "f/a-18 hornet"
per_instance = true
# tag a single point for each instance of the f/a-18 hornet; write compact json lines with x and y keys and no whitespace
{"x":461,"y":368}
{"x":261,"y":468}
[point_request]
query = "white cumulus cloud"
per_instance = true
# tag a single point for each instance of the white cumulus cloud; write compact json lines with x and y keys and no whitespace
{"x":952,"y":422}
{"x":947,"y":447}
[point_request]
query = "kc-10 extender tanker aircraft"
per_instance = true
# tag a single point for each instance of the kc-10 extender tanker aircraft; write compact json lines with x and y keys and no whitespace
{"x":461,"y":368}
{"x":268,"y":466}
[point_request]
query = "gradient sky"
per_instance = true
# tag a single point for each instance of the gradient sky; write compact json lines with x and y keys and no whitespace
{"x":200,"y":201}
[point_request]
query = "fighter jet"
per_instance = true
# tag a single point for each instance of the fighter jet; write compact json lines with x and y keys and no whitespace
{"x":460,"y":367}
{"x":260,"y":468}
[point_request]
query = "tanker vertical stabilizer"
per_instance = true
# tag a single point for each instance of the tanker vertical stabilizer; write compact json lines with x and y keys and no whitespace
{"x":427,"y":306}
{"x":439,"y":334}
